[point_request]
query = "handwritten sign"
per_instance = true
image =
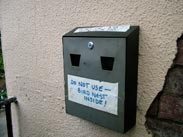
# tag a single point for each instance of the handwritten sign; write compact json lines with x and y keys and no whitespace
{"x":96,"y":94}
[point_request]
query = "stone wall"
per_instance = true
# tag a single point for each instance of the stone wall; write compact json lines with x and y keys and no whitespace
{"x":165,"y":115}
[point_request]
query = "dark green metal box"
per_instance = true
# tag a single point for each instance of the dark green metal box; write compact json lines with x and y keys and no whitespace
{"x":100,"y":72}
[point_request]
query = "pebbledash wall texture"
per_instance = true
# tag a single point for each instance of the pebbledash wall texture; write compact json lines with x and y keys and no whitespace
{"x":32,"y":48}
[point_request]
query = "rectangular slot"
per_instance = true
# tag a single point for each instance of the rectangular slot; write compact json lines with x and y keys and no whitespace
{"x":107,"y":63}
{"x":75,"y":59}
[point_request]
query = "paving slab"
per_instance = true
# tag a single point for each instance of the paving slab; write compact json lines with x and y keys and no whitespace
{"x":3,"y":128}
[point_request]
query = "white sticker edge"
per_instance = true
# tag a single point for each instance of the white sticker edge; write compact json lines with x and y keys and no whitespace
{"x":120,"y":28}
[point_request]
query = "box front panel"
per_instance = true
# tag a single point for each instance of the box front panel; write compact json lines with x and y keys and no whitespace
{"x":95,"y":79}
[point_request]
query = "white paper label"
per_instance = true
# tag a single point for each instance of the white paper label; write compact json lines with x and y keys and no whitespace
{"x":121,"y":28}
{"x":93,"y":93}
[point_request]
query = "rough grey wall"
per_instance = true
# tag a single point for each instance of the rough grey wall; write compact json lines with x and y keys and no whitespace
{"x":32,"y":48}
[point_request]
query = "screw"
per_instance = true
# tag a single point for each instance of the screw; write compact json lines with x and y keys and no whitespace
{"x":90,"y":45}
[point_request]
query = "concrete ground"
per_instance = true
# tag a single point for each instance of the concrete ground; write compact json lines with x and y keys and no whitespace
{"x":3,"y":129}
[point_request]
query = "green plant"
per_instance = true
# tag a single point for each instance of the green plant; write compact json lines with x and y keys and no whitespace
{"x":3,"y":94}
{"x":1,"y":65}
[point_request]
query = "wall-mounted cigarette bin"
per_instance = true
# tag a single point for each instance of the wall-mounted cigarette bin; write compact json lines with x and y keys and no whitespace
{"x":100,"y":72}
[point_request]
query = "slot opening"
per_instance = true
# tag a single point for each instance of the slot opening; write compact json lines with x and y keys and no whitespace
{"x":75,"y":59}
{"x":107,"y":63}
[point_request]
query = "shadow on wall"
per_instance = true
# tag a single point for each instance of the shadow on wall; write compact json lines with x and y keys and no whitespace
{"x":164,"y":117}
